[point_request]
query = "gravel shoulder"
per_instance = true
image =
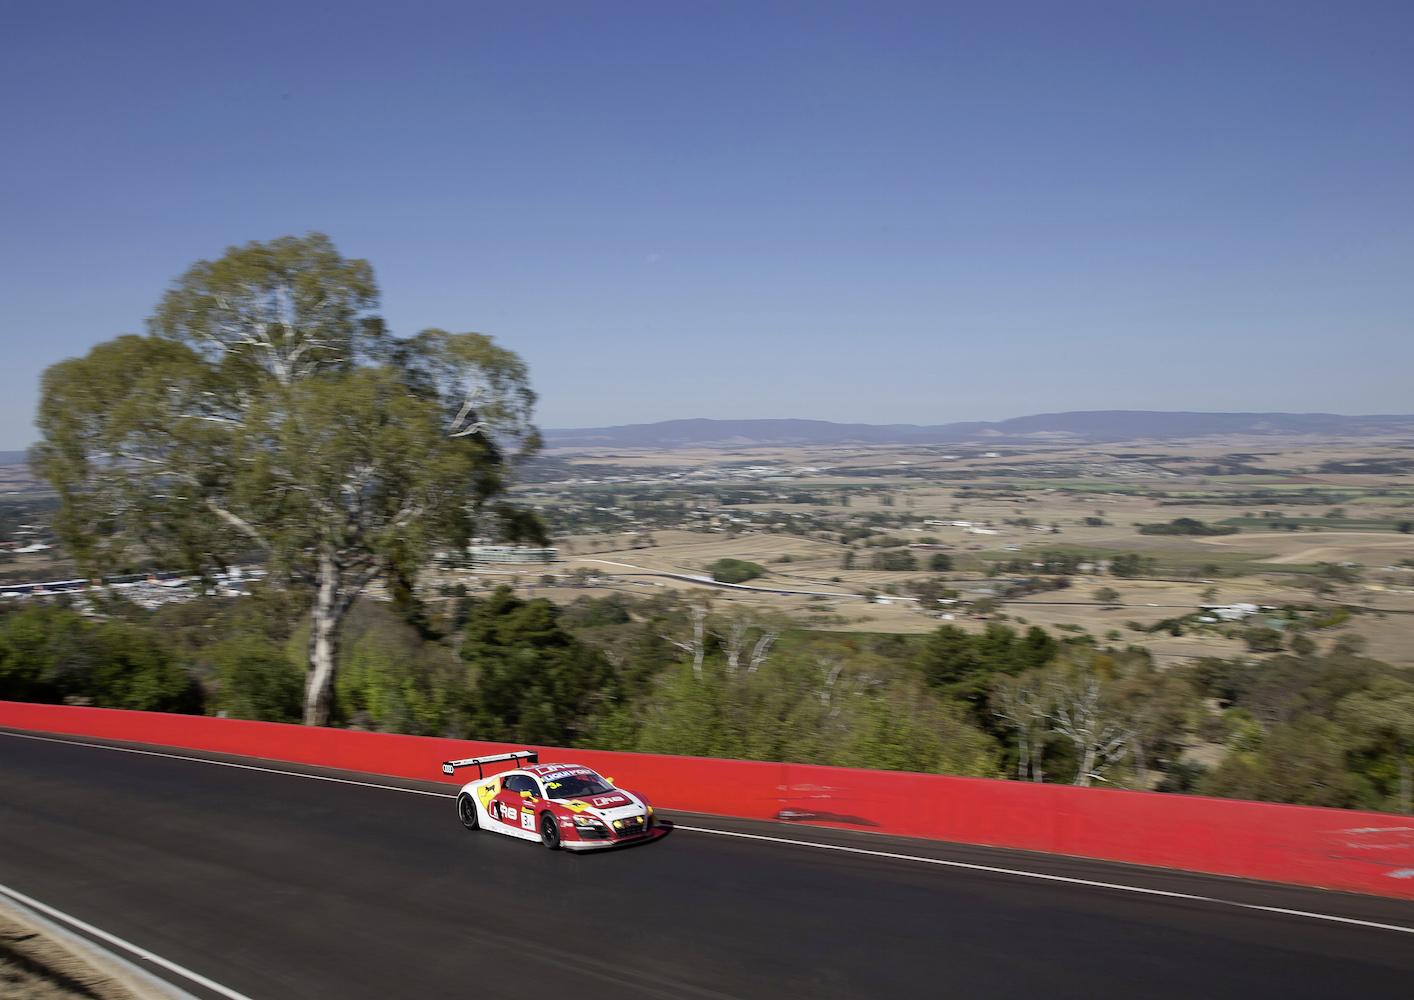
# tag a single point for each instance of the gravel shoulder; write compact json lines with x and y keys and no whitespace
{"x":38,"y":964}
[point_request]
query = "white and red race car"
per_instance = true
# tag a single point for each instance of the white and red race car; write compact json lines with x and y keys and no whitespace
{"x":560,"y":805}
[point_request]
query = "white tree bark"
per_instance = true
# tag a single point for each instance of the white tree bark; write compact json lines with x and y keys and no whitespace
{"x":1024,"y":707}
{"x":697,"y":644}
{"x":734,"y":641}
{"x":1080,"y":714}
{"x":323,"y":644}
{"x":762,"y":649}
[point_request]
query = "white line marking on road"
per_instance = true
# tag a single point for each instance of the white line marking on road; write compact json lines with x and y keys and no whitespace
{"x":227,"y":763}
{"x":1068,"y":879}
{"x":118,"y":942}
{"x":867,"y":852}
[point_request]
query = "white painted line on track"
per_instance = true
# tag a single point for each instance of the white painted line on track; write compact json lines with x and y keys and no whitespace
{"x":1068,"y":879}
{"x":227,"y":763}
{"x":867,"y":852}
{"x":117,"y":942}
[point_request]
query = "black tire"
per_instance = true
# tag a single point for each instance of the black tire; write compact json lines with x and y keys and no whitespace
{"x":549,"y":832}
{"x":466,"y":811}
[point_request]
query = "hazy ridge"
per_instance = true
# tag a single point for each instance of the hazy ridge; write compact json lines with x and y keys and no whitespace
{"x":1078,"y":426}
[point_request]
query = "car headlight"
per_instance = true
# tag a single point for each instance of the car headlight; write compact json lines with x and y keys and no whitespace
{"x":589,"y":821}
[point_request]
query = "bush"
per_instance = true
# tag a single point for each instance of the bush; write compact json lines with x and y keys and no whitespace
{"x":258,"y":680}
{"x":1186,"y":526}
{"x":735,"y":570}
{"x":52,"y":654}
{"x":1262,"y":640}
{"x":898,"y":560}
{"x":1130,"y":565}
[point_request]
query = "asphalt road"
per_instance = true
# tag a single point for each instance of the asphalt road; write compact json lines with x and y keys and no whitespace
{"x":276,"y":885}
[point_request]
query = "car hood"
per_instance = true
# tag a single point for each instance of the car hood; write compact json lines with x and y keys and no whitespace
{"x":610,"y":806}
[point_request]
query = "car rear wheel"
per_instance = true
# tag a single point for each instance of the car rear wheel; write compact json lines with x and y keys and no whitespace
{"x":466,"y":811}
{"x":549,"y":832}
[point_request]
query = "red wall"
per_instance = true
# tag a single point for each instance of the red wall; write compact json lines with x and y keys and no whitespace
{"x":1333,"y":848}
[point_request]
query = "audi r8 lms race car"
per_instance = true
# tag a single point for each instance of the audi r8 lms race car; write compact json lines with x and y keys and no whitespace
{"x":560,"y":805}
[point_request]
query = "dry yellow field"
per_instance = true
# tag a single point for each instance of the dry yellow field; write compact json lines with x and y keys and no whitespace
{"x":1012,"y":502}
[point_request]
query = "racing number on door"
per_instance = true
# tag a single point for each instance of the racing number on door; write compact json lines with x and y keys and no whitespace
{"x":516,"y":802}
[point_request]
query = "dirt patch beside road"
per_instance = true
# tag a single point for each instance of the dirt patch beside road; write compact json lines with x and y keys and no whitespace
{"x":36,"y":964}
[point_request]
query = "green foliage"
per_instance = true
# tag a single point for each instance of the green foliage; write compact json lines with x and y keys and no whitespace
{"x":940,"y":562}
{"x":258,"y":680}
{"x":1262,"y":639}
{"x":1186,"y":526}
{"x":591,"y":612}
{"x":806,"y":705}
{"x":961,"y":665}
{"x":1129,"y":565}
{"x":51,"y":654}
{"x":269,"y":413}
{"x":897,"y":560}
{"x":735,"y":570}
{"x":903,"y":729}
{"x":1302,"y":762}
{"x":533,"y":680}
{"x":1339,"y":723}
{"x":394,"y":680}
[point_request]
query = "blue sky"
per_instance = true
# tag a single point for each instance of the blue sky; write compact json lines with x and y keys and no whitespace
{"x":874,"y":211}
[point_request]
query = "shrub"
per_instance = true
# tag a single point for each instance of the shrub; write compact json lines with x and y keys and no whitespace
{"x":735,"y":570}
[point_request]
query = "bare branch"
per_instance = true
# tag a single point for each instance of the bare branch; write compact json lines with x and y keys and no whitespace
{"x":240,"y":524}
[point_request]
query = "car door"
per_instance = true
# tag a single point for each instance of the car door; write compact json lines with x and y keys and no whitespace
{"x":530,"y":796}
{"x":516,"y":802}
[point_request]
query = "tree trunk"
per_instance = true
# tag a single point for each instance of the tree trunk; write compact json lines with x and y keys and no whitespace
{"x":1087,"y":767}
{"x":323,"y":644}
{"x":1406,"y":785}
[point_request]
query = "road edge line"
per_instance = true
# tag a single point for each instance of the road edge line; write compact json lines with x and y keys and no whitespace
{"x":117,"y":942}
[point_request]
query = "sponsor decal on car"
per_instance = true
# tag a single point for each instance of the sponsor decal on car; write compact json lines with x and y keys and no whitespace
{"x":508,"y":813}
{"x":605,"y":801}
{"x":574,"y":772}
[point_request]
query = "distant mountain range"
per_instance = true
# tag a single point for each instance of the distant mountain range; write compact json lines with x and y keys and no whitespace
{"x":1081,"y":426}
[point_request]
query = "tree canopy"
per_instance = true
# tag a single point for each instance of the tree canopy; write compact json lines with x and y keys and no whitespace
{"x":269,"y":414}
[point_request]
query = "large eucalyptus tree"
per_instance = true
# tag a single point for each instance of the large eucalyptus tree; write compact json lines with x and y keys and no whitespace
{"x":269,"y":411}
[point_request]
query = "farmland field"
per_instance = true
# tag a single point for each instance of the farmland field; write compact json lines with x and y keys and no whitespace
{"x":1029,"y":534}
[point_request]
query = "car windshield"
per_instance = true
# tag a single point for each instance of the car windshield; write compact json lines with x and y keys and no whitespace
{"x":572,"y":786}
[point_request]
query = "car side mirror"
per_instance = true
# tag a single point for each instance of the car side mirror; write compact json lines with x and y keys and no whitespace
{"x":609,"y":780}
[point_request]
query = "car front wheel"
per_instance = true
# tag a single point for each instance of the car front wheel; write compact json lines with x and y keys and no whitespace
{"x":549,"y":832}
{"x":466,"y":811}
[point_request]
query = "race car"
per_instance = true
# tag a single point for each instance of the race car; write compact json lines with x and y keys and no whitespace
{"x":560,"y":805}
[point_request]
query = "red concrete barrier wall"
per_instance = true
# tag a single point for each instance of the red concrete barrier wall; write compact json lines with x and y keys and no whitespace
{"x":1332,"y":848}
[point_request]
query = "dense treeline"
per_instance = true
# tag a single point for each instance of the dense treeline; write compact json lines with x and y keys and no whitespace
{"x":664,"y":676}
{"x":1333,"y":729}
{"x":1186,"y":526}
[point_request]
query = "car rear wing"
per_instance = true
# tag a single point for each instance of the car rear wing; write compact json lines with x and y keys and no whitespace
{"x":450,"y":766}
